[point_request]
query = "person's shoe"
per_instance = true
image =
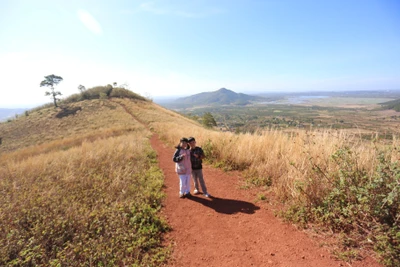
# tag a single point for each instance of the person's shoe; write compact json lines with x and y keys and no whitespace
{"x":188,"y":194}
{"x":181,"y":195}
{"x":196,"y":192}
{"x":207,"y":195}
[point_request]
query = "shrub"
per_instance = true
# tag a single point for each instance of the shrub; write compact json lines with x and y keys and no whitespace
{"x":363,"y":206}
{"x":125,"y":93}
{"x":103,"y":92}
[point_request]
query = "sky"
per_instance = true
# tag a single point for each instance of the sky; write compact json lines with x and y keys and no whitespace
{"x":179,"y":47}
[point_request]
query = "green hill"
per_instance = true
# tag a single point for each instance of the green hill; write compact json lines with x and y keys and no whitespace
{"x":222,"y":96}
{"x":394,"y":104}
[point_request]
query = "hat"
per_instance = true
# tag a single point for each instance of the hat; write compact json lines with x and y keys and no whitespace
{"x":191,"y":139}
{"x":184,"y":139}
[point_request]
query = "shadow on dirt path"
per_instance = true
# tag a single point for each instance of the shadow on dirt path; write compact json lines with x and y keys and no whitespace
{"x":226,"y":206}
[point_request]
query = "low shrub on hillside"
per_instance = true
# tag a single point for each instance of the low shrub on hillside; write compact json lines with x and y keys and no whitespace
{"x":125,"y":93}
{"x":103,"y":92}
{"x":363,"y":206}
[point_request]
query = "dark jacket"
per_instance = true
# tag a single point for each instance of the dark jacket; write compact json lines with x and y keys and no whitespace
{"x":177,"y":156}
{"x":197,"y":162}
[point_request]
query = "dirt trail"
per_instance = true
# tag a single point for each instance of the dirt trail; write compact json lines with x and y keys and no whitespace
{"x":229,"y":229}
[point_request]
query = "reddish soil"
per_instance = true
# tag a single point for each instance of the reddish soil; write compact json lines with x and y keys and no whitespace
{"x":230,"y":229}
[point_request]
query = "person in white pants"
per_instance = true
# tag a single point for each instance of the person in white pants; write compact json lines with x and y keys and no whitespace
{"x":183,"y":167}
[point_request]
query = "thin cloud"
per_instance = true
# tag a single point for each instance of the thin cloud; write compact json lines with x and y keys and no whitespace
{"x":206,"y":13}
{"x":151,"y":7}
{"x":89,"y":22}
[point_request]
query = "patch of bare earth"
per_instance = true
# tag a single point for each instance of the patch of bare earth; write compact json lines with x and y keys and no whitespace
{"x":229,"y":229}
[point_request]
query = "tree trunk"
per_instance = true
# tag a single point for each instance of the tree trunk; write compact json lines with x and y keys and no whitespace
{"x":55,"y":101}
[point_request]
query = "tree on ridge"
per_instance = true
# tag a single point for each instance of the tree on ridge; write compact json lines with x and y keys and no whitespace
{"x":81,"y":88}
{"x":51,"y":81}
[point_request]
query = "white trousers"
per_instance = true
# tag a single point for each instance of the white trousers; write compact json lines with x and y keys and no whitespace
{"x":184,"y":183}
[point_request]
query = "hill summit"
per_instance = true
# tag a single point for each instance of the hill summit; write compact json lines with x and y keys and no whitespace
{"x":222,"y":96}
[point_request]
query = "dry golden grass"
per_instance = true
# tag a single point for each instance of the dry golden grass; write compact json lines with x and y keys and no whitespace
{"x":79,"y":202}
{"x":283,"y":158}
{"x":89,"y":194}
{"x":43,"y":126}
{"x":62,"y":170}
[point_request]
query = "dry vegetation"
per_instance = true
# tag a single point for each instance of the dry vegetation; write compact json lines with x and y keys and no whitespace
{"x":43,"y":126}
{"x":88,"y":195}
{"x":83,"y":179}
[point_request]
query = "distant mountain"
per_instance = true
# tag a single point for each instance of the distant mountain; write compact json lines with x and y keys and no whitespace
{"x":7,"y":113}
{"x":222,"y":96}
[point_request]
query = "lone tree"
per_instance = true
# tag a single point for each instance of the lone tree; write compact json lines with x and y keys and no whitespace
{"x":81,"y":88}
{"x":51,"y":81}
{"x":208,"y":120}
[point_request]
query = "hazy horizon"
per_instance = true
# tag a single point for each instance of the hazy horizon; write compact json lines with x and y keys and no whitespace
{"x":162,"y":99}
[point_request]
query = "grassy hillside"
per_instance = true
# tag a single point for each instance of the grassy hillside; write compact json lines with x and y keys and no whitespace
{"x":80,"y":189}
{"x":73,"y":176}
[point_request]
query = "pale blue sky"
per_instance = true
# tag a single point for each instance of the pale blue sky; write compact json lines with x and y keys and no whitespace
{"x":174,"y":47}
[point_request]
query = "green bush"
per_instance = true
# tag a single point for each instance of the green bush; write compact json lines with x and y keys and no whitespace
{"x":103,"y":92}
{"x":209,"y":151}
{"x":125,"y":93}
{"x":364,"y":207}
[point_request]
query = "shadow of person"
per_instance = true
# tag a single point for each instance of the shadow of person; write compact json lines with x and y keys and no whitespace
{"x":226,"y":206}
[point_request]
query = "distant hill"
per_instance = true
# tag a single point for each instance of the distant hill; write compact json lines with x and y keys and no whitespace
{"x":222,"y":96}
{"x":394,"y":104}
{"x":7,"y":113}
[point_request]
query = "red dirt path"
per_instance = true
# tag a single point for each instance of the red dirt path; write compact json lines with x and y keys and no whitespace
{"x":229,"y":229}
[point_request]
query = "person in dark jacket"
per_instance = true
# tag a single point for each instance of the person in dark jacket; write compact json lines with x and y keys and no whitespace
{"x":196,"y":158}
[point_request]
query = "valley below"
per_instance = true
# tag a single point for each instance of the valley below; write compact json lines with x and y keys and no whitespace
{"x":358,"y":112}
